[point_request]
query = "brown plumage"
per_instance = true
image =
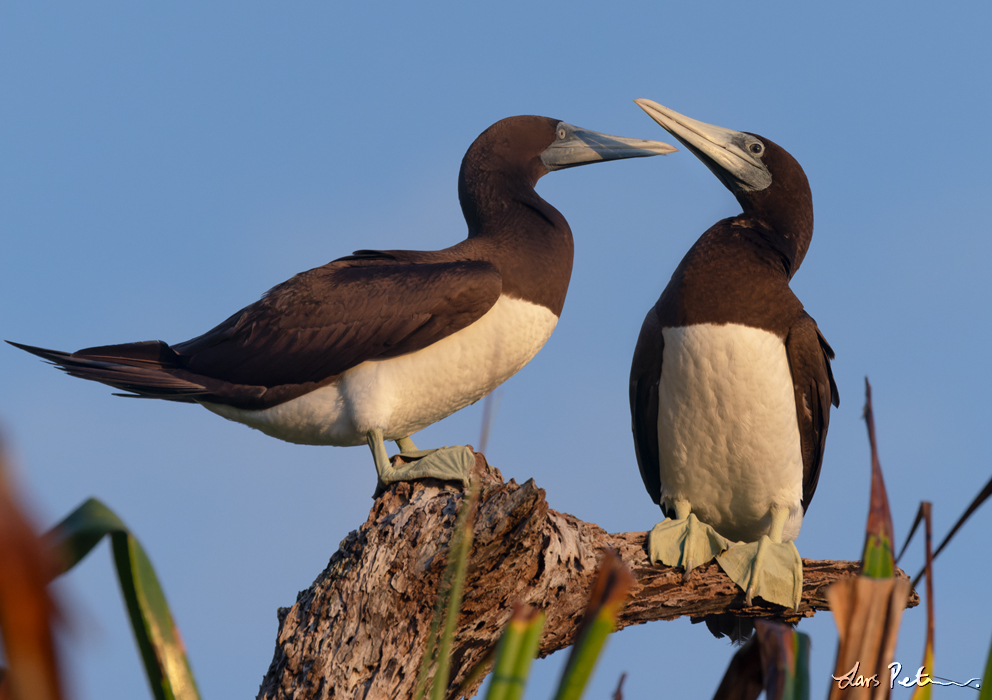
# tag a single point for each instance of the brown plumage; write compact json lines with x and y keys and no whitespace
{"x":307,"y":333}
{"x":738,"y":272}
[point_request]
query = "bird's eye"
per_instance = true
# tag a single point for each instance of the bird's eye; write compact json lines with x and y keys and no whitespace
{"x":755,"y":148}
{"x":561,"y":134}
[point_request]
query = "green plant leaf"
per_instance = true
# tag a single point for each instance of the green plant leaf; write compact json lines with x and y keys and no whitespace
{"x":450,"y":597}
{"x":784,"y":661}
{"x":878,"y":559}
{"x":528,"y":652}
{"x":584,"y":657}
{"x":161,"y":647}
{"x":612,"y":583}
{"x":506,"y":659}
{"x":923,"y":692}
{"x":515,"y":654}
{"x":465,"y":534}
{"x":986,"y":690}
{"x":775,"y":660}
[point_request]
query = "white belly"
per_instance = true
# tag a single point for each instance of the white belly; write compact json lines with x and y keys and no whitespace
{"x":402,"y":395}
{"x":727,"y":429}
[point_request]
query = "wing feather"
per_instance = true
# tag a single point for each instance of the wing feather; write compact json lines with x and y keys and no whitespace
{"x":809,"y":359}
{"x":645,"y":376}
{"x":326,"y":320}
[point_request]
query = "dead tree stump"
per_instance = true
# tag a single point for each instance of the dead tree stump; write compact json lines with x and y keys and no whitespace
{"x":360,"y":630}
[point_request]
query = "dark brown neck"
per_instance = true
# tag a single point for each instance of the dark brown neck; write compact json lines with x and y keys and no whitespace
{"x":782,"y":214}
{"x":512,"y":227}
{"x":730,"y":275}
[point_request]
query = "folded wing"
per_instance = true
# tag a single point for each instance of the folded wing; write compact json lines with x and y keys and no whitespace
{"x":302,"y":333}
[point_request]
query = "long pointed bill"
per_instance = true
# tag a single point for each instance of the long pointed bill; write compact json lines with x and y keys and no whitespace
{"x":722,"y":150}
{"x":575,"y":146}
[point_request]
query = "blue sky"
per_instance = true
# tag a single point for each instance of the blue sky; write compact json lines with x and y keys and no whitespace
{"x":163,"y":166}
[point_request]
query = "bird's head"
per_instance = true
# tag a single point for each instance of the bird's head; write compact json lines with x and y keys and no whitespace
{"x":767,"y":181}
{"x":529,"y":147}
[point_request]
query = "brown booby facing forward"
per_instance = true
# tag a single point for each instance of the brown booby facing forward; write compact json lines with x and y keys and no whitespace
{"x":377,"y":345}
{"x":731,"y":387}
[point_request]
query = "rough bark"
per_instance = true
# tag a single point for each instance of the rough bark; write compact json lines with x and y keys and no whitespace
{"x":360,"y":630}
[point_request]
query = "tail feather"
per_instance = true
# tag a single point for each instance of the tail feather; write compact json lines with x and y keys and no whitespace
{"x":147,"y":369}
{"x":154,"y":352}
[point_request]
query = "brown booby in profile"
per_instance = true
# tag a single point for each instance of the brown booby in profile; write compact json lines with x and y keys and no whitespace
{"x":377,"y":345}
{"x":731,"y":387}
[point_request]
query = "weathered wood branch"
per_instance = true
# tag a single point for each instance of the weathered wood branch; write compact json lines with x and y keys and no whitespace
{"x":360,"y":630}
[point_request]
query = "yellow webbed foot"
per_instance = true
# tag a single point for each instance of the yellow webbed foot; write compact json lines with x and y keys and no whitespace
{"x":445,"y":463}
{"x":769,"y":570}
{"x":685,"y":542}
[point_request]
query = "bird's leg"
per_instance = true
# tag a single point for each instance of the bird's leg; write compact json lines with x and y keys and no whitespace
{"x":780,"y":517}
{"x":447,"y":463}
{"x":684,"y":541}
{"x":382,"y":466}
{"x":405,"y":444}
{"x":769,"y":568}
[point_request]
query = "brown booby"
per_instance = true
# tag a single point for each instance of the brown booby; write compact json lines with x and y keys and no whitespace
{"x":377,"y":345}
{"x":730,"y":386}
